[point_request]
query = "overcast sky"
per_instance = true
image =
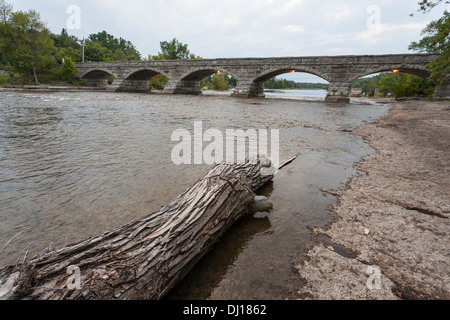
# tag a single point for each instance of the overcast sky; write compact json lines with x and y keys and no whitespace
{"x":245,"y":28}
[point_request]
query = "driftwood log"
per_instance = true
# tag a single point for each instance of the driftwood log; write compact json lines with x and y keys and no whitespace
{"x":146,"y":258}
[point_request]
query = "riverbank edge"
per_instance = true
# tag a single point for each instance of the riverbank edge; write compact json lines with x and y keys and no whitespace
{"x":393,"y":221}
{"x":50,"y":88}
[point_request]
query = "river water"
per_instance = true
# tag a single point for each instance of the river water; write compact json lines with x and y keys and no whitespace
{"x":312,"y":95}
{"x":74,"y":165}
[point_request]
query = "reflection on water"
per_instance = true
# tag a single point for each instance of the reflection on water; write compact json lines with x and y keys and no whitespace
{"x":74,"y":165}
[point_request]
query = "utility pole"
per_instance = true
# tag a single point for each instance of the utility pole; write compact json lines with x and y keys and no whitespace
{"x":82,"y":60}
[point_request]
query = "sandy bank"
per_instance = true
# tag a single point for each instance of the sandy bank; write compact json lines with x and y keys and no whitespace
{"x":394,"y":219}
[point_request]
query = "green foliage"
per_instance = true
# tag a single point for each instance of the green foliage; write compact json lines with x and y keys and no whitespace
{"x":440,"y":68}
{"x":103,"y":46}
{"x":398,"y":84}
{"x":368,"y":85}
{"x":3,"y":62}
{"x":66,"y":46}
{"x":275,"y":83}
{"x":170,"y":50}
{"x":158,"y":82}
{"x":31,"y":50}
{"x":405,"y":85}
{"x":25,"y":42}
{"x":64,"y":40}
{"x":436,"y":36}
{"x":174,"y":50}
{"x":427,"y":5}
{"x":159,"y":56}
{"x":436,"y":40}
{"x":68,"y":69}
{"x":220,"y":81}
{"x":98,"y":47}
{"x":96,"y":52}
{"x":4,"y":76}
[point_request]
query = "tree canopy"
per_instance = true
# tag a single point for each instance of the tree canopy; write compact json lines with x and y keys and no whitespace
{"x":427,"y":5}
{"x":24,"y":40}
{"x":170,"y":50}
{"x":174,"y":50}
{"x":66,"y":46}
{"x":405,"y":85}
{"x":103,"y":46}
{"x":436,"y":40}
{"x":220,"y":81}
{"x":31,"y":50}
{"x":398,"y":84}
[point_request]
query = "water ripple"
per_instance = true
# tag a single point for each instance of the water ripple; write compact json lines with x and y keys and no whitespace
{"x":78,"y":164}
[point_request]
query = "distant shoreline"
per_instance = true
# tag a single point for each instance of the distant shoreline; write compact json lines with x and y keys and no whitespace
{"x":287,"y":89}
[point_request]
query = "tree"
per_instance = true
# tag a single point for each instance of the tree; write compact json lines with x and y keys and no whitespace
{"x":158,"y":82}
{"x":170,"y":50}
{"x":404,"y":85}
{"x":25,"y":41}
{"x":94,"y":51}
{"x":159,"y":56}
{"x":206,"y":82}
{"x":145,"y":259}
{"x":68,"y":69}
{"x":275,"y":83}
{"x":428,"y":5}
{"x":220,"y":81}
{"x":175,"y":50}
{"x":2,"y":61}
{"x":437,"y":41}
{"x":66,"y":46}
{"x":64,"y":40}
{"x":103,"y":46}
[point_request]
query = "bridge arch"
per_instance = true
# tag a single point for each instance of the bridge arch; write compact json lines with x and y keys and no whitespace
{"x":258,"y":81}
{"x":97,"y":77}
{"x":421,"y":72}
{"x":342,"y":86}
{"x":190,"y":81}
{"x":368,"y":85}
{"x":269,"y":74}
{"x":143,"y":74}
{"x":138,"y":80}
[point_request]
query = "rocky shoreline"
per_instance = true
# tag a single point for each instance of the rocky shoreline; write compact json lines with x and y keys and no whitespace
{"x":390,"y":239}
{"x":49,"y":88}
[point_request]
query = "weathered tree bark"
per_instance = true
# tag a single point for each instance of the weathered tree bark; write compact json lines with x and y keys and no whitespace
{"x":146,"y":258}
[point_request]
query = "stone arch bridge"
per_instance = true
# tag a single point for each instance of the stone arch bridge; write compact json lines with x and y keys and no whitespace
{"x":251,"y":73}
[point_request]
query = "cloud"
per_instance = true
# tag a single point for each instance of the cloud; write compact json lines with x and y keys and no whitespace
{"x":256,"y":28}
{"x":340,"y":12}
{"x":293,"y":28}
{"x":386,"y":31}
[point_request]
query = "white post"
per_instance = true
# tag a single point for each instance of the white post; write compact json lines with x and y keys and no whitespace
{"x":82,"y":60}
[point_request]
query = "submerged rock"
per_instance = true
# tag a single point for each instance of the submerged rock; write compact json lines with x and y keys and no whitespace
{"x":260,"y":204}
